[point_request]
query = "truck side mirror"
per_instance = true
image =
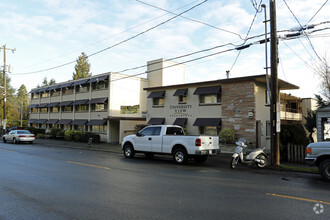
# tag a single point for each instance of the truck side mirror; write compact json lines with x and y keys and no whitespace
{"x":139,"y":134}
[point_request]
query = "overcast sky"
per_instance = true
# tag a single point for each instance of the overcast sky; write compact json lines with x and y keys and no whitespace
{"x":52,"y":33}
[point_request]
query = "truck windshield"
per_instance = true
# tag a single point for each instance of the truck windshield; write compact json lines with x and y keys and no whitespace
{"x":174,"y":131}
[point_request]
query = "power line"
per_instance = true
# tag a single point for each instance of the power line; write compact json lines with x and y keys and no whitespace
{"x":117,"y":44}
{"x":302,"y":29}
{"x":194,"y":20}
{"x":247,"y":34}
{"x":317,"y":11}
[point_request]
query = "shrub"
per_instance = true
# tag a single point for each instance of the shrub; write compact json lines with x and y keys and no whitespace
{"x":68,"y":135}
{"x":227,"y":135}
{"x":53,"y":132}
{"x":77,"y":135}
{"x":85,"y":137}
{"x":294,"y":134}
{"x":60,"y":134}
{"x":40,"y":136}
{"x":34,"y":130}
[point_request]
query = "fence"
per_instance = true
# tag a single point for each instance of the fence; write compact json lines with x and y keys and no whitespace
{"x":293,"y":153}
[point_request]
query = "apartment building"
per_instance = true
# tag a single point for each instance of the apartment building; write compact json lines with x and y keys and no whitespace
{"x":207,"y":107}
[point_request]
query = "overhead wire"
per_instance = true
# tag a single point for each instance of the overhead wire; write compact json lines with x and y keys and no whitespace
{"x":317,"y":11}
{"x":119,"y":43}
{"x":194,"y":20}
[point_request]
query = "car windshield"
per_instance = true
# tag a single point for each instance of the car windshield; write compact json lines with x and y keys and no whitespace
{"x":23,"y":132}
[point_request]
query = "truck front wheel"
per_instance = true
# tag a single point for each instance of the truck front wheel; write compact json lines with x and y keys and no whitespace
{"x":325,"y":169}
{"x":180,"y":156}
{"x":129,"y":151}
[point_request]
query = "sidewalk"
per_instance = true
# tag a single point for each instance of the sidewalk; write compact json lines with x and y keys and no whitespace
{"x":226,"y":152}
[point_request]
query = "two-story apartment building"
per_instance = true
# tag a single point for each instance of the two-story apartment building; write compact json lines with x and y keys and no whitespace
{"x":207,"y":107}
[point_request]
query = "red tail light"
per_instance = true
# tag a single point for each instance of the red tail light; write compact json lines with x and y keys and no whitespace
{"x":198,"y":142}
{"x":21,"y":136}
{"x":32,"y":135}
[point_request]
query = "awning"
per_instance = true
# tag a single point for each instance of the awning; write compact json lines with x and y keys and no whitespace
{"x":208,"y":90}
{"x":33,"y":106}
{"x":43,"y":89}
{"x":98,"y":100}
{"x":156,"y":121}
{"x":34,"y":90}
{"x":32,"y":120}
{"x":80,"y":102}
{"x":207,"y":122}
{"x":64,"y":121}
{"x":180,"y":121}
{"x":79,"y":122}
{"x":53,"y":87}
{"x":43,"y":105}
{"x":159,"y":94}
{"x":52,"y":121}
{"x":98,"y":79}
{"x":97,"y":122}
{"x":65,"y":85}
{"x":41,"y":121}
{"x":53,"y":104}
{"x":65,"y":103}
{"x":180,"y":92}
{"x":80,"y":82}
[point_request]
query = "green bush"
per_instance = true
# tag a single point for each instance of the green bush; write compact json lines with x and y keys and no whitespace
{"x":53,"y":132}
{"x":293,"y":134}
{"x":40,"y":136}
{"x":60,"y":134}
{"x":34,"y":130}
{"x":69,"y":135}
{"x":227,"y":135}
{"x":85,"y":137}
{"x":77,"y":135}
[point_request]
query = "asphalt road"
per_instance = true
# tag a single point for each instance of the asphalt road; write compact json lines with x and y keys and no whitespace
{"x":39,"y":182}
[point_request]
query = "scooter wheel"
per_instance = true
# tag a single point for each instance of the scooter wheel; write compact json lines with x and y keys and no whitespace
{"x":234,"y":162}
{"x":262,"y":158}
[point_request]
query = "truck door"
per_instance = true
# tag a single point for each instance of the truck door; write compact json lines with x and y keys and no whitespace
{"x":143,"y":140}
{"x":157,"y":140}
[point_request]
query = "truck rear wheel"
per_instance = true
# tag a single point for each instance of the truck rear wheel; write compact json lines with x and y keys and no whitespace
{"x":180,"y":156}
{"x":129,"y":151}
{"x":324,"y":169}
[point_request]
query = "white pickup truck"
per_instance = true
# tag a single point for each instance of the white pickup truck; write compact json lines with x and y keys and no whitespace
{"x":170,"y":139}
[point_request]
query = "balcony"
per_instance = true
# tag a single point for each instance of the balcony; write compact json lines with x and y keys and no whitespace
{"x":291,"y":114}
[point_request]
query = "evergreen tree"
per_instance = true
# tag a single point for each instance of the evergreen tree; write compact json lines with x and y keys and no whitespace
{"x":82,"y":67}
{"x":23,"y":100}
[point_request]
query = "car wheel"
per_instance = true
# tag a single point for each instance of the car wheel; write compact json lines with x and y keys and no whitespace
{"x":4,"y":140}
{"x":262,"y":158}
{"x":15,"y":141}
{"x":180,"y":156}
{"x":200,"y":159}
{"x":129,"y":151}
{"x":234,"y":162}
{"x":324,"y":169}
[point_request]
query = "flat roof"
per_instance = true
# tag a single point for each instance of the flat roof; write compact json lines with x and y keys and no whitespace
{"x":283,"y":85}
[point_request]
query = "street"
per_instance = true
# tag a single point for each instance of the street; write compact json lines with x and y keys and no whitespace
{"x":43,"y":182}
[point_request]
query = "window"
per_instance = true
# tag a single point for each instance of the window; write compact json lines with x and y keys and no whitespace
{"x":99,"y":128}
{"x":268,"y":128}
{"x":43,"y":110}
{"x":99,"y":107}
{"x":82,"y":108}
{"x":100,"y":85}
{"x":209,"y":130}
{"x":158,"y":101}
{"x":68,"y":91}
{"x":151,"y":131}
{"x":54,"y":109}
{"x":67,"y":127}
{"x":174,"y":131}
{"x":55,"y":93}
{"x":44,"y":94}
{"x":182,"y":99}
{"x":210,"y":98}
{"x":80,"y":127}
{"x":35,"y":95}
{"x":67,"y":108}
{"x":34,"y":110}
{"x":82,"y":88}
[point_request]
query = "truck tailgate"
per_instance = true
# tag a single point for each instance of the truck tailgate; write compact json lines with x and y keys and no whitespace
{"x":209,"y":143}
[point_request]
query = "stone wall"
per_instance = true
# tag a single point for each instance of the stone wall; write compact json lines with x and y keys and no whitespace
{"x":238,"y":99}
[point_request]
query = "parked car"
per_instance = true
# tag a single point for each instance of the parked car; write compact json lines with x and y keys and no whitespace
{"x":170,"y":139}
{"x":318,"y":154}
{"x":17,"y":136}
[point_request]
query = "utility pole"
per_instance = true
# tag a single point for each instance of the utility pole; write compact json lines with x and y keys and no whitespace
{"x":275,"y":117}
{"x":5,"y":86}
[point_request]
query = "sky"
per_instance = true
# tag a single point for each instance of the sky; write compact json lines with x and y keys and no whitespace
{"x":49,"y":35}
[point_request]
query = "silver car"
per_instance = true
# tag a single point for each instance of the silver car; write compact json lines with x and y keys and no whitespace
{"x":17,"y":136}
